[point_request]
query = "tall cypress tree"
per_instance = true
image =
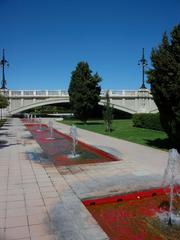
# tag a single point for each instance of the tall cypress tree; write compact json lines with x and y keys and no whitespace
{"x":164,"y":78}
{"x":84,"y":91}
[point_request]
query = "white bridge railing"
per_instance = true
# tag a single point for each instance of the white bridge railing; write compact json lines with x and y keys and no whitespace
{"x":61,"y":93}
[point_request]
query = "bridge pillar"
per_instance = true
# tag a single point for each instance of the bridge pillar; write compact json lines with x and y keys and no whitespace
{"x":143,"y":100}
{"x":22,"y":102}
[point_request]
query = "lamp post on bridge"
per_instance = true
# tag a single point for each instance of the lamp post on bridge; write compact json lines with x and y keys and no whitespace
{"x":3,"y":90}
{"x":3,"y":63}
{"x":143,"y":63}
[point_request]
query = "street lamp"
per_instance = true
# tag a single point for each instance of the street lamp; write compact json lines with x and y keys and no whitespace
{"x":3,"y":63}
{"x":143,"y":63}
{"x":3,"y":89}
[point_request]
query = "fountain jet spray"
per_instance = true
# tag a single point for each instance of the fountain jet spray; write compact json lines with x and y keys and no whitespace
{"x":51,"y":129}
{"x":73,"y":134}
{"x":40,"y":125}
{"x":170,"y":178}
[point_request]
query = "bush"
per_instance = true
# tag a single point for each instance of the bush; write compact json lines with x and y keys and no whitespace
{"x":147,"y":120}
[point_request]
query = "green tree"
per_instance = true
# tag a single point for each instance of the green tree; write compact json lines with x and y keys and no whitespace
{"x":164,"y":78}
{"x":84,"y":91}
{"x":108,"y":116}
{"x":3,"y":103}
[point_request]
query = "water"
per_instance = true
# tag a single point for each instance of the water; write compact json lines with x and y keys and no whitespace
{"x":40,"y":125}
{"x":164,"y":218}
{"x":171,"y":179}
{"x":50,"y":125}
{"x":74,"y":136}
{"x":27,"y":116}
{"x":31,"y":117}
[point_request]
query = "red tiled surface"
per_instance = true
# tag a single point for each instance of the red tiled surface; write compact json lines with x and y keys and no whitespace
{"x":60,"y":147}
{"x":131,"y":216}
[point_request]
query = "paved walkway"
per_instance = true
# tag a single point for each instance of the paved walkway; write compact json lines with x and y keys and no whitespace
{"x":39,"y":201}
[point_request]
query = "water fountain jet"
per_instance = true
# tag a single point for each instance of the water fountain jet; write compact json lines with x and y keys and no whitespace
{"x":74,"y":135}
{"x":50,"y":125}
{"x":39,"y":125}
{"x":170,"y":180}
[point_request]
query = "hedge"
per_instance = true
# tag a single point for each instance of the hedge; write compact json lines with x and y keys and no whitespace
{"x":147,"y":120}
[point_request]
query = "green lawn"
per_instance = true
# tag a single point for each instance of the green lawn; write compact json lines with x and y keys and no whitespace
{"x":124,"y":129}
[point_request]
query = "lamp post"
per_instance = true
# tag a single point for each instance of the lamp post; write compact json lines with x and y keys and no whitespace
{"x":3,"y":63}
{"x":3,"y":89}
{"x":143,"y":63}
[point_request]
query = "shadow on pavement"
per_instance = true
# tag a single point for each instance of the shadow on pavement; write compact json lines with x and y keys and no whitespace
{"x":4,"y":143}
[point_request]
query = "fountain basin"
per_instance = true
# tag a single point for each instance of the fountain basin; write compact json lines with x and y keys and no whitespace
{"x":59,"y":149}
{"x":134,"y":216}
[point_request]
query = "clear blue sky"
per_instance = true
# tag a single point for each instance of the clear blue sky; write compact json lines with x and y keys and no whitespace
{"x":45,"y":39}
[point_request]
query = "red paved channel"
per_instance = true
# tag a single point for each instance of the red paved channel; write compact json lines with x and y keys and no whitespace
{"x":60,"y":147}
{"x":132,"y":216}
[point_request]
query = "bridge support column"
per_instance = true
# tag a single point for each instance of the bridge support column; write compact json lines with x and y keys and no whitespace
{"x":22,"y":102}
{"x":136,"y":103}
{"x":143,"y":100}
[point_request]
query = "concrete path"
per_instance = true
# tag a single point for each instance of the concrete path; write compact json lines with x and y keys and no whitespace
{"x":39,"y":201}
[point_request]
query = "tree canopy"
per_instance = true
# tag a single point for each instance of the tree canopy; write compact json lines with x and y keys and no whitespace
{"x":84,"y":91}
{"x":164,"y":78}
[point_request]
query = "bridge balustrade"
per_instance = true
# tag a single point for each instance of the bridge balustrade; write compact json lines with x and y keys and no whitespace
{"x":131,"y":93}
{"x":28,"y":93}
{"x":15,"y":93}
{"x":119,"y":93}
{"x":116,"y":92}
{"x":40,"y":93}
{"x":103,"y":93}
{"x":64,"y":93}
{"x":49,"y":93}
{"x":54,"y":93}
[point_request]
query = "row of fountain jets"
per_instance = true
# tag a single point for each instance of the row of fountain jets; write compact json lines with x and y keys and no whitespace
{"x":171,"y":178}
{"x":73,"y":133}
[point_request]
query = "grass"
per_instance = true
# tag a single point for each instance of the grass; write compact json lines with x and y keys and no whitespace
{"x":123,"y":129}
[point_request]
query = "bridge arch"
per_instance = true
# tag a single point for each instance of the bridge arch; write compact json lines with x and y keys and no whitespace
{"x":39,"y":104}
{"x":65,"y":100}
{"x":130,"y":101}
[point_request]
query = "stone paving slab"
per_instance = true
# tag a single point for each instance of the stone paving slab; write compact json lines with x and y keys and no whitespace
{"x":36,"y":202}
{"x":43,"y":202}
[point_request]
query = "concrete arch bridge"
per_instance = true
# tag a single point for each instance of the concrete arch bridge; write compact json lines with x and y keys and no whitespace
{"x":130,"y":101}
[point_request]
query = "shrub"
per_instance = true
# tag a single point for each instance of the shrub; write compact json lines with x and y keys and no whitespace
{"x":147,"y":120}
